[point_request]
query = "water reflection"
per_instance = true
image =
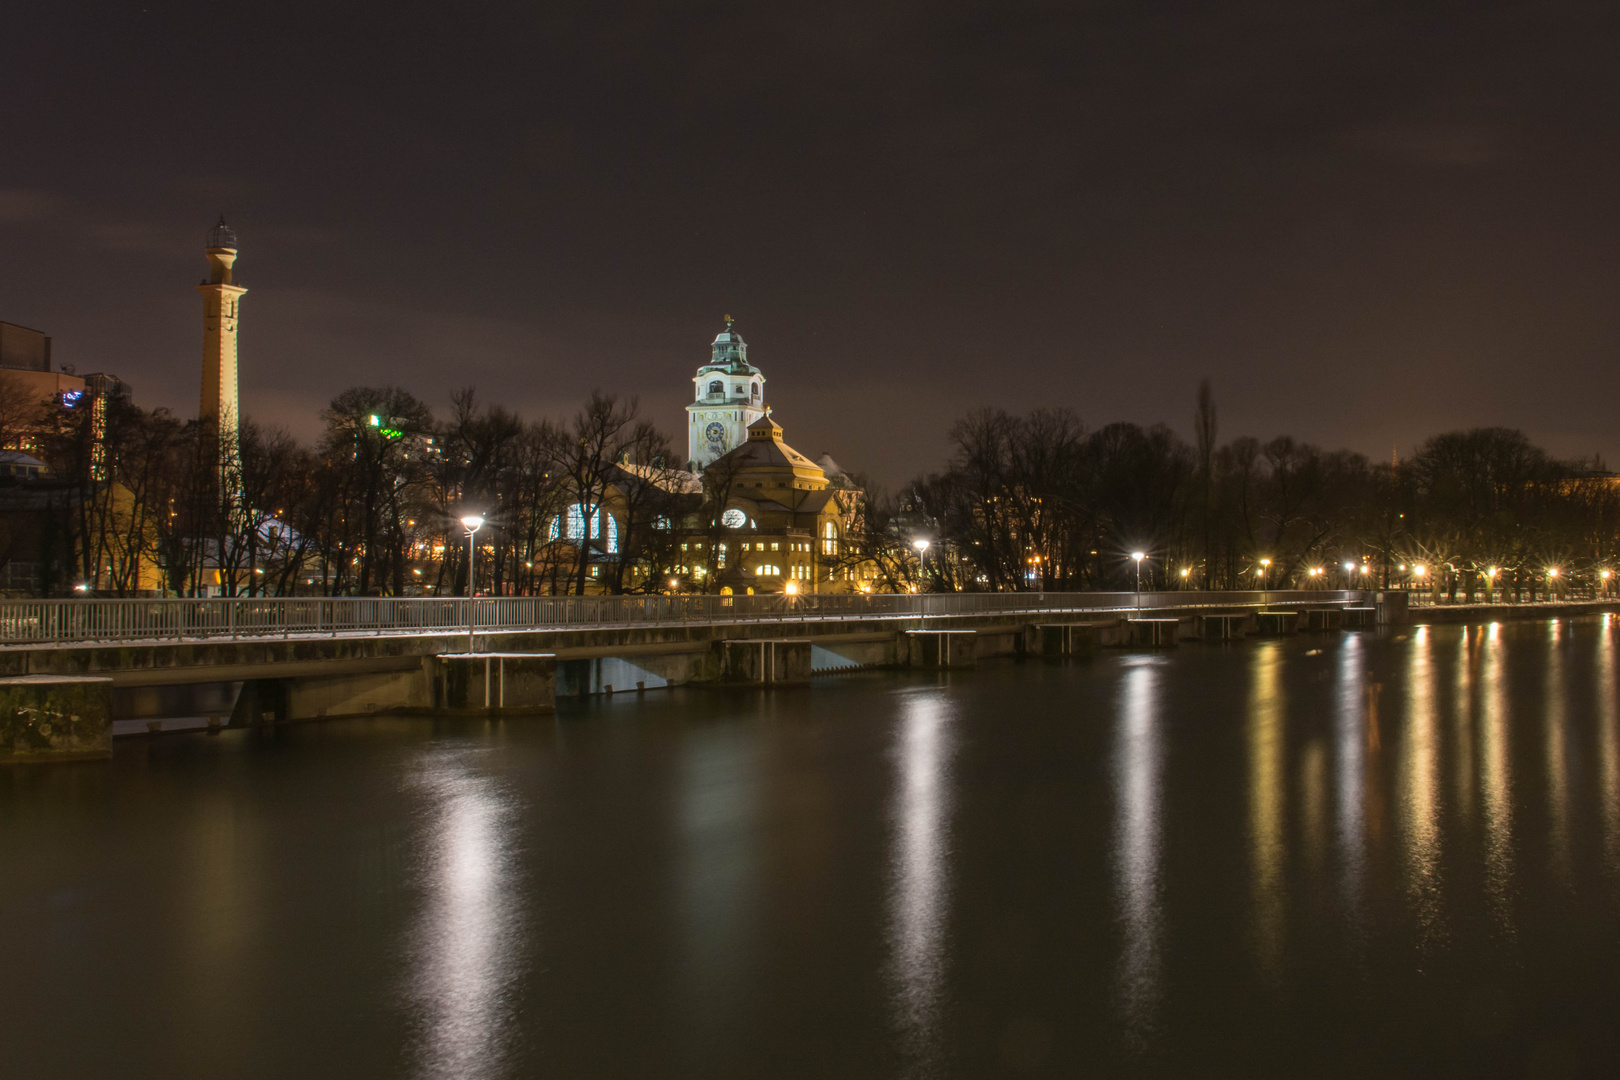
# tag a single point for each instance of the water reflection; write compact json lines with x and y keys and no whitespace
{"x":467,"y":944}
{"x":1419,"y":800}
{"x":1355,"y":726}
{"x":1138,"y":768}
{"x":1266,"y":798}
{"x":921,"y":869}
{"x":1495,"y":776}
{"x":1465,"y":716}
{"x":719,"y":817}
{"x":1553,"y":734}
{"x":1608,"y":720}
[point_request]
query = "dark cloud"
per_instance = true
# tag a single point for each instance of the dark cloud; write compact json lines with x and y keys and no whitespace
{"x":1365,"y":222}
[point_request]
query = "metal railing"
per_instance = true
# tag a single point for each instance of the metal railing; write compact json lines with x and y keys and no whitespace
{"x":44,"y":622}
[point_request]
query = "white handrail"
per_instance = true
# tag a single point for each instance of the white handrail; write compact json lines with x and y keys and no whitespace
{"x":43,"y":622}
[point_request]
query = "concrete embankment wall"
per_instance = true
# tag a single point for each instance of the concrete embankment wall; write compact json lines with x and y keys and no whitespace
{"x":1481,"y":613}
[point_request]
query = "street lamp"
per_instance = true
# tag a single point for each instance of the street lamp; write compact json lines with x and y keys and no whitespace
{"x":1349,"y":576}
{"x":922,"y":549}
{"x":1265,"y":564}
{"x":472,"y":523}
{"x":1137,"y":557}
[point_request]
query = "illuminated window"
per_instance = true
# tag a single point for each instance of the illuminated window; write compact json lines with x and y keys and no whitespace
{"x":717,"y":387}
{"x":571,"y":526}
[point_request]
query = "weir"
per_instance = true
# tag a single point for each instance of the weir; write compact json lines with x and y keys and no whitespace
{"x":253,"y":676}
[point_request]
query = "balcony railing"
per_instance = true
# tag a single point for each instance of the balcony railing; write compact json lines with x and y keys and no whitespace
{"x":44,"y":622}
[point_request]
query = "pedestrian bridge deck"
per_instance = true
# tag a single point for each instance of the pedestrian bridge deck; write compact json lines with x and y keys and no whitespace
{"x":31,"y":624}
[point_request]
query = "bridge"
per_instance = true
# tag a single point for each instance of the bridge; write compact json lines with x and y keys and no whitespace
{"x":83,"y":670}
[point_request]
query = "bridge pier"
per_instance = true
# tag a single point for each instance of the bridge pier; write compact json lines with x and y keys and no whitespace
{"x":941,"y":649}
{"x":1277,"y":623}
{"x":765,"y":662}
{"x":1155,"y":633}
{"x":55,"y":718}
{"x":495,"y":682}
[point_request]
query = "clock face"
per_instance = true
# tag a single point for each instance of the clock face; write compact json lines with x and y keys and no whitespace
{"x":734,"y":518}
{"x":715,"y":432}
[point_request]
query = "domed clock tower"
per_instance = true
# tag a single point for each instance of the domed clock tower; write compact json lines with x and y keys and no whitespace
{"x":729,"y":395}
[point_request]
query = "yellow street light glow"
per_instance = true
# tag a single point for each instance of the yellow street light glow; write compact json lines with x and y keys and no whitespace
{"x":472,"y":522}
{"x":1552,"y":571}
{"x":1138,"y":555}
{"x":792,"y":587}
{"x":1605,"y":575}
{"x":1184,"y":573}
{"x":1349,"y":567}
{"x":1491,"y":572}
{"x":1418,"y":570}
{"x":1314,"y":571}
{"x":1265,"y":562}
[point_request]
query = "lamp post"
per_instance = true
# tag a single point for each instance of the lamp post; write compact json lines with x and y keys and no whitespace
{"x":1265,"y":564}
{"x":922,"y":549}
{"x":1137,"y":557}
{"x":472,"y":523}
{"x":1349,"y":578}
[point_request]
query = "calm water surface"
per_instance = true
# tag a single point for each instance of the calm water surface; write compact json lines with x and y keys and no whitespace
{"x":1346,"y":855}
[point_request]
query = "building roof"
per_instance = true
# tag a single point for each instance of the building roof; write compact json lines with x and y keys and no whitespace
{"x":730,"y":352}
{"x":765,"y":449}
{"x":222,"y":235}
{"x":677,"y":481}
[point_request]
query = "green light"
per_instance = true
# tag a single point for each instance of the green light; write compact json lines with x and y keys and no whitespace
{"x":390,"y":433}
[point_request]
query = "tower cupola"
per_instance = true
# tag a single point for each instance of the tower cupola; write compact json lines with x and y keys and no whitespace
{"x":728,"y":395}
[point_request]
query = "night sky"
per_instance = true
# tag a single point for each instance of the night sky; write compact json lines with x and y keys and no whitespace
{"x":1365,"y":223}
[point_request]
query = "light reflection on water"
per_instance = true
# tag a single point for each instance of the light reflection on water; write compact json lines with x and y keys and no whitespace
{"x":1553,"y":719}
{"x":1266,"y":803}
{"x":1608,"y":739}
{"x":1138,"y":765}
{"x":1420,"y":784}
{"x":466,"y":948}
{"x":921,"y":872}
{"x":1495,"y":775}
{"x":1354,"y":729}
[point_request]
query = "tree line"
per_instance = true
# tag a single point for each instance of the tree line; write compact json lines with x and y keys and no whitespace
{"x":1039,"y":502}
{"x":139,"y":501}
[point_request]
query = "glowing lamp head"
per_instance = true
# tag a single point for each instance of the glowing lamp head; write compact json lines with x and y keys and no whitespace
{"x":1138,"y":556}
{"x":920,"y":545}
{"x":1265,"y":562}
{"x":1184,"y":573}
{"x":1349,"y":567}
{"x":792,"y":588}
{"x":1552,"y":571}
{"x":1606,"y":574}
{"x":1418,"y":570}
{"x":472,"y":522}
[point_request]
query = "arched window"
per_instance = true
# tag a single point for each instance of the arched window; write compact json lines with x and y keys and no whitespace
{"x":717,"y":387}
{"x":571,"y":526}
{"x":829,"y":542}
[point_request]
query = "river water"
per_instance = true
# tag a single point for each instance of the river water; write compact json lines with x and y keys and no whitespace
{"x":1356,"y":855}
